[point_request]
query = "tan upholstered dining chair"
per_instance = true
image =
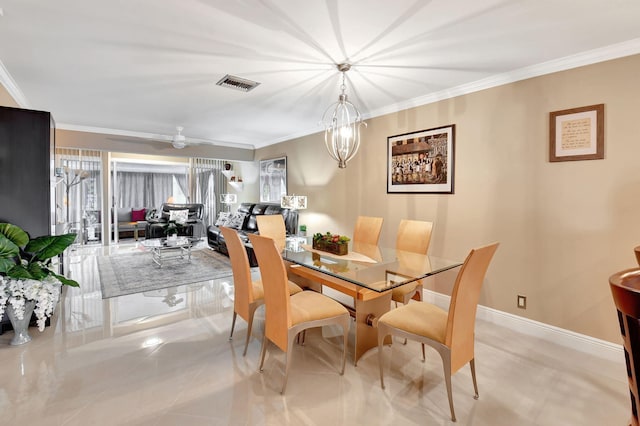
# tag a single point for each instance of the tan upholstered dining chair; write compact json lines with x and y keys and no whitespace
{"x":248,"y":294}
{"x":451,"y":333}
{"x":413,"y":236}
{"x":367,"y":230}
{"x":272,"y":226}
{"x":286,"y":316}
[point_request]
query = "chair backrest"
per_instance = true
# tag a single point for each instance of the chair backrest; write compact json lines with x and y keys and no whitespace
{"x":367,"y":230}
{"x":626,"y":296}
{"x":242,"y":283}
{"x":196,"y":210}
{"x":637,"y":252}
{"x":414,"y":236}
{"x":272,"y":226}
{"x":276,"y":290}
{"x":464,"y":302}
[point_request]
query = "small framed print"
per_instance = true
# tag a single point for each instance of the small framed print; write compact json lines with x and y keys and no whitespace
{"x":577,"y":134}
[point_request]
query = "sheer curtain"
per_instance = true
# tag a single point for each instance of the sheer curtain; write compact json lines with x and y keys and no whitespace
{"x":207,"y":183}
{"x":144,"y":189}
{"x":79,"y":188}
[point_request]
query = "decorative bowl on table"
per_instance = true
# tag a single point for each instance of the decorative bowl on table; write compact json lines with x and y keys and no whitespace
{"x":331,"y":243}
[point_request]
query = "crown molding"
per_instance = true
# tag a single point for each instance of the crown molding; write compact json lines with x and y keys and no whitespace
{"x":615,"y":51}
{"x":13,"y":89}
{"x":143,"y":135}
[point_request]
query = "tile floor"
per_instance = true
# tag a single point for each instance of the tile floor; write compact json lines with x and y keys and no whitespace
{"x":164,"y":358}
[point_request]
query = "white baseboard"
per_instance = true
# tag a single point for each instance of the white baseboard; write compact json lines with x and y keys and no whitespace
{"x":560,"y":336}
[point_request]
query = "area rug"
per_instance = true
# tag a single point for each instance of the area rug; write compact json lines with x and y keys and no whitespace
{"x":136,"y":272}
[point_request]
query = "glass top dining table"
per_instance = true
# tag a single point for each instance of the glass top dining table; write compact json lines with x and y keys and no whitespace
{"x":372,"y":267}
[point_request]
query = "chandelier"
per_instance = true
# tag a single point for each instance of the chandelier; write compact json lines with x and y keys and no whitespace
{"x":342,"y":123}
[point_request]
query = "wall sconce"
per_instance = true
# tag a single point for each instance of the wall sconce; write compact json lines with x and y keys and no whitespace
{"x":295,"y":202}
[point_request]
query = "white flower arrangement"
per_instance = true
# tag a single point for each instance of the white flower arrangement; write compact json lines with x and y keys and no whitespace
{"x":18,"y":292}
{"x":26,"y":273}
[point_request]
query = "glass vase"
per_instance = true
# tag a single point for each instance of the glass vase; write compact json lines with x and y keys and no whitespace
{"x":20,"y":326}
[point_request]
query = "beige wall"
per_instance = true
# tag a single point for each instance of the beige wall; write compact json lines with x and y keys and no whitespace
{"x":6,"y":99}
{"x":564,"y":228}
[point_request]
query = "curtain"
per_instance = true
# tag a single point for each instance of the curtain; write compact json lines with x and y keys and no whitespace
{"x":142,"y":189}
{"x":208,"y":183}
{"x":79,"y":187}
{"x":182,"y":183}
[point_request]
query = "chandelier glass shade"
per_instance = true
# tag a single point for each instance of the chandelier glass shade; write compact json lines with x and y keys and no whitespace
{"x":342,"y":122}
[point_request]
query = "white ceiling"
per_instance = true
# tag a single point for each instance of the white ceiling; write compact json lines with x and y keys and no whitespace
{"x":143,"y":67}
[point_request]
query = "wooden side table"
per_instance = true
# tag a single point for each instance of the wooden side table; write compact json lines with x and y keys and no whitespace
{"x":135,"y":230}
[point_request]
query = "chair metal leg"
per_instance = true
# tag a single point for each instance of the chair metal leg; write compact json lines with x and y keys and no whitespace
{"x":446,"y":363}
{"x":249,"y":327}
{"x":472,"y":364}
{"x":263,"y":351}
{"x":233,"y":324}
{"x":424,"y":358}
{"x":288,"y":355}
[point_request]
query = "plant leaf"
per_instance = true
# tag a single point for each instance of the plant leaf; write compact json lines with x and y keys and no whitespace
{"x":48,"y":246}
{"x":14,"y":233}
{"x":66,"y":281}
{"x":6,"y":264}
{"x":19,"y":272}
{"x":8,"y":249}
{"x":37,"y":272}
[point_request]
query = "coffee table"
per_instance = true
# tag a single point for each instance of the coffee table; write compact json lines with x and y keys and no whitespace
{"x":163,"y":250}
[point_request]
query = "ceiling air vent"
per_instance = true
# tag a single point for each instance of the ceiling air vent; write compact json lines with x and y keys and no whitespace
{"x":233,"y":82}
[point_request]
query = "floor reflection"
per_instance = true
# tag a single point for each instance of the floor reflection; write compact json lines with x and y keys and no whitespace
{"x":85,"y":313}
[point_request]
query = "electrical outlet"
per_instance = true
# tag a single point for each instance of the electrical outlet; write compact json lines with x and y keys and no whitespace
{"x":522,"y":302}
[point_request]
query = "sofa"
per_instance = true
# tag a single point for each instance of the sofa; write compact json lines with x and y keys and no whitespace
{"x":193,"y":226}
{"x":244,"y":221}
{"x":127,"y":218}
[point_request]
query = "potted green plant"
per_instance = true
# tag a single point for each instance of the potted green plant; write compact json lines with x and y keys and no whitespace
{"x":332,"y":243}
{"x":171,"y":230}
{"x":303,"y":230}
{"x":27,"y":282}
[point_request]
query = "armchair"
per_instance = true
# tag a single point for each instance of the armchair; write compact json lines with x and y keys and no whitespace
{"x":193,"y":226}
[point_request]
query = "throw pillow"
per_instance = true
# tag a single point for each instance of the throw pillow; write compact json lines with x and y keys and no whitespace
{"x":236,"y":220}
{"x":223,"y":217}
{"x":180,"y":216}
{"x":138,"y":215}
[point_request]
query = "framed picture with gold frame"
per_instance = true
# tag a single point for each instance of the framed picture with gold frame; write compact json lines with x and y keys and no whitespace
{"x":577,"y":134}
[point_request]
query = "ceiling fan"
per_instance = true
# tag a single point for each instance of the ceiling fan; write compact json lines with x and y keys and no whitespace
{"x":179,"y":141}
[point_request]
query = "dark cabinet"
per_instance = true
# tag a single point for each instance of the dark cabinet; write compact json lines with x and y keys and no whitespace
{"x":26,"y":169}
{"x":27,"y":144}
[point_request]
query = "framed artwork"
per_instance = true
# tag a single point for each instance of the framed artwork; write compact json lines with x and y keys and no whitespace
{"x":273,"y":179}
{"x":577,"y":134}
{"x":421,"y":162}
